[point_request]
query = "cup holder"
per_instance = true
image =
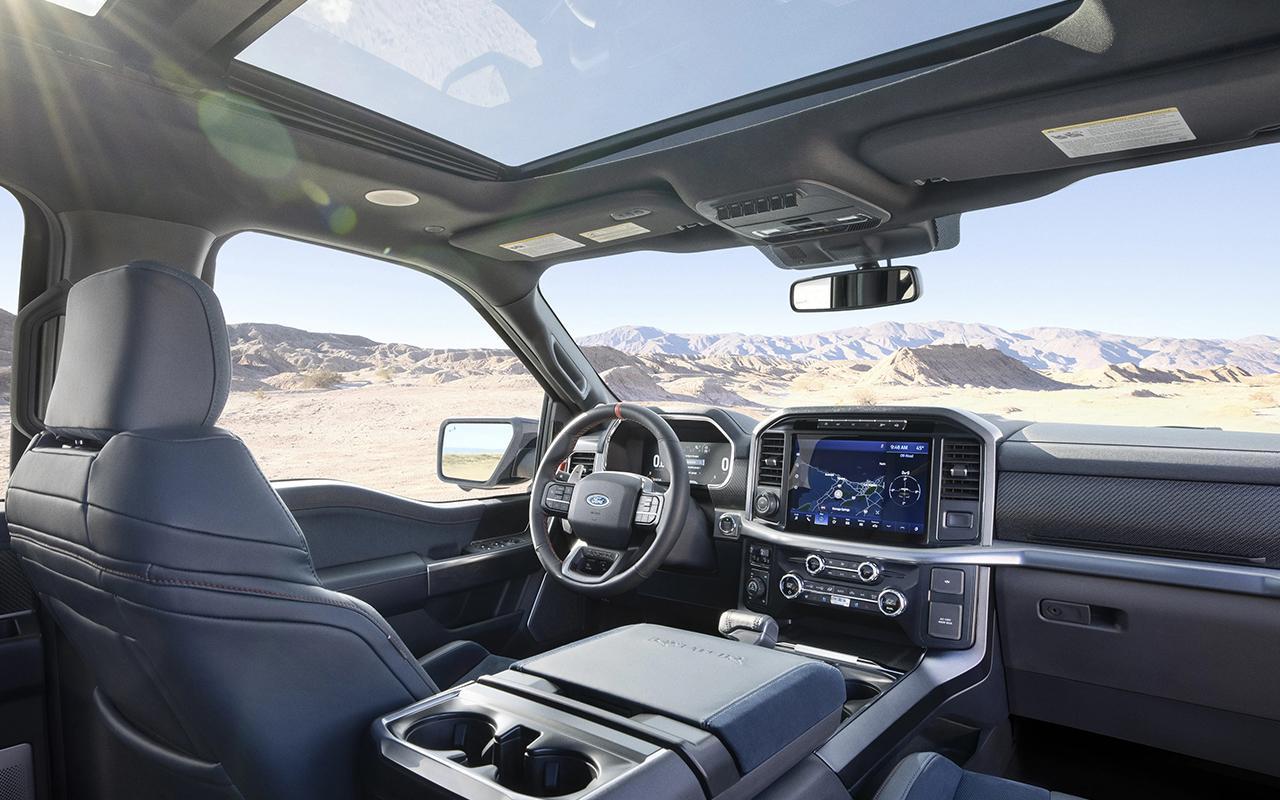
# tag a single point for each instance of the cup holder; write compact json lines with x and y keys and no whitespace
{"x":510,"y":758}
{"x":463,"y":737}
{"x":856,"y":690}
{"x":538,"y":772}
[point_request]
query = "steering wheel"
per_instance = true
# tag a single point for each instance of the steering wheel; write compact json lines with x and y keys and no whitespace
{"x":624,"y":525}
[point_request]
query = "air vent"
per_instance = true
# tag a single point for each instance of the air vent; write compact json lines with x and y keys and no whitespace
{"x":771,"y":460}
{"x":961,"y":470}
{"x":585,"y":460}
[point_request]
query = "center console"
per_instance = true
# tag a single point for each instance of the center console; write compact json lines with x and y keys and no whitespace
{"x":858,"y":610}
{"x":642,"y":710}
{"x":842,"y":502}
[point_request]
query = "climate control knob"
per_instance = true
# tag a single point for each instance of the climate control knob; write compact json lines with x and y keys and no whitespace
{"x":813,"y":564}
{"x":891,"y":602}
{"x":790,"y":586}
{"x":765,"y":503}
{"x":868,"y":572}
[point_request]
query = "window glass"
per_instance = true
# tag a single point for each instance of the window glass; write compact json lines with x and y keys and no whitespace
{"x":564,"y":74}
{"x":344,"y":366}
{"x":11,"y":230}
{"x":1143,"y":297}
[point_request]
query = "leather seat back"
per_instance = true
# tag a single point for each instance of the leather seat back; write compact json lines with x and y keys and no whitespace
{"x":174,"y":569}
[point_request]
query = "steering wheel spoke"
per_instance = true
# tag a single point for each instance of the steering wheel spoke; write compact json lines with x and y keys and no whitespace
{"x":649,"y":509}
{"x":557,"y":497}
{"x":591,"y":564}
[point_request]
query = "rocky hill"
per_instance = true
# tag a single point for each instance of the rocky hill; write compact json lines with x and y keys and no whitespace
{"x":6,"y":352}
{"x":1057,"y":349}
{"x":265,"y":356}
{"x":957,"y":365}
{"x":649,"y":364}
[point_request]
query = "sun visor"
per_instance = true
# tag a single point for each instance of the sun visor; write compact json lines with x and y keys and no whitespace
{"x":575,"y":230}
{"x":863,"y":248}
{"x":1224,"y":101}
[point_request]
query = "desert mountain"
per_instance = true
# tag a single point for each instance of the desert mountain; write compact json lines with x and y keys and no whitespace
{"x":730,"y":370}
{"x":957,"y":365}
{"x":6,"y":352}
{"x":277,"y":356}
{"x":1132,"y":373}
{"x":1058,"y":349}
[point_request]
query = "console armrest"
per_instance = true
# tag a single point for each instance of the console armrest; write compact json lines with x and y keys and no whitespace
{"x":757,"y":701}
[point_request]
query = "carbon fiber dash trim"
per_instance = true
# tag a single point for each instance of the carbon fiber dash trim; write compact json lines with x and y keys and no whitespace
{"x":1192,"y":519}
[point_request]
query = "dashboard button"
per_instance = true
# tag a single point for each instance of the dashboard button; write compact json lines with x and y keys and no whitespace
{"x":868,"y":572}
{"x":944,"y":620}
{"x":947,"y":581}
{"x":891,"y":602}
{"x":790,"y":586}
{"x":765,"y":503}
{"x":958,"y":519}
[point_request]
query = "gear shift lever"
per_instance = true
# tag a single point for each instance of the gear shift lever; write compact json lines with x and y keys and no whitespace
{"x":749,"y":627}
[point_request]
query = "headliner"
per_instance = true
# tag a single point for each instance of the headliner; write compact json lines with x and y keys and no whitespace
{"x":142,"y":111}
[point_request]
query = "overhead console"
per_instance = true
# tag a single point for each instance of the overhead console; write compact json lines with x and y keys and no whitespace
{"x":793,"y":211}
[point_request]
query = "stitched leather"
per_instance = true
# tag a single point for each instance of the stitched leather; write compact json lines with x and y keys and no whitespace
{"x":176,"y":571}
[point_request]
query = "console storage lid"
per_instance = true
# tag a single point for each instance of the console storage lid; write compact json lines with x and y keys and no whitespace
{"x":756,"y":701}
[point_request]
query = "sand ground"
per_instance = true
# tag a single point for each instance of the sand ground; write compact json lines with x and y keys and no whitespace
{"x":383,"y":435}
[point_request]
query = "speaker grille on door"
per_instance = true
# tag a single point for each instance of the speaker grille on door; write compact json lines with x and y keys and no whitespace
{"x":16,"y":779}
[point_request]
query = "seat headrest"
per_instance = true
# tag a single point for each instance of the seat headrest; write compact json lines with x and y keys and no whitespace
{"x":145,"y":347}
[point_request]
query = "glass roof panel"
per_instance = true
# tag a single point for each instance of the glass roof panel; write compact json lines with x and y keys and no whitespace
{"x":518,"y":80}
{"x":89,"y":8}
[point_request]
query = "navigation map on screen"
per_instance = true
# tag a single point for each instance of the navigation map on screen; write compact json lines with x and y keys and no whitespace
{"x":856,"y":484}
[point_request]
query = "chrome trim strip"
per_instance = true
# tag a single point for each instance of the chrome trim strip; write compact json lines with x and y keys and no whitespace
{"x":1148,"y":569}
{"x":843,"y":658}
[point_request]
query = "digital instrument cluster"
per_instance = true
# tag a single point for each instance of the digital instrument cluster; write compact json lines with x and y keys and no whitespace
{"x":709,"y":463}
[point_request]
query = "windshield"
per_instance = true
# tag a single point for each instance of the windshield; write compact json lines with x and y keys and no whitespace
{"x":1145,"y":297}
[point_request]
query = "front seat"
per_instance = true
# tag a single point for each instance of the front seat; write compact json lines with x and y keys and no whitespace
{"x":929,"y":776}
{"x":223,"y":667}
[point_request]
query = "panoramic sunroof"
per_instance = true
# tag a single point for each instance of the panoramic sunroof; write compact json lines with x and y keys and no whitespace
{"x":519,"y":80}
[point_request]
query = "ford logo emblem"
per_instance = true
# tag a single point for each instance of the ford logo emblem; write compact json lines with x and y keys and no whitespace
{"x":597,"y":500}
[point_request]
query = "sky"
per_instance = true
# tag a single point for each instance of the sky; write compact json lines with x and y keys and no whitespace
{"x":476,"y":72}
{"x":1184,"y":249}
{"x":1181,"y":249}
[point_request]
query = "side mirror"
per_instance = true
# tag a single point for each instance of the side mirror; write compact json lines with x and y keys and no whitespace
{"x":871,"y":287}
{"x":484,"y":453}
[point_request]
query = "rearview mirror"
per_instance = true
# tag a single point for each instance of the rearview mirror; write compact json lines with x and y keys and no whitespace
{"x":484,"y":453}
{"x":870,"y":287}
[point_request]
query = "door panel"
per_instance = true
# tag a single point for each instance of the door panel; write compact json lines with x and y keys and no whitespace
{"x":436,"y":571}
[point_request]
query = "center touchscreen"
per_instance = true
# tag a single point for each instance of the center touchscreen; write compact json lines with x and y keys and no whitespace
{"x":859,"y":485}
